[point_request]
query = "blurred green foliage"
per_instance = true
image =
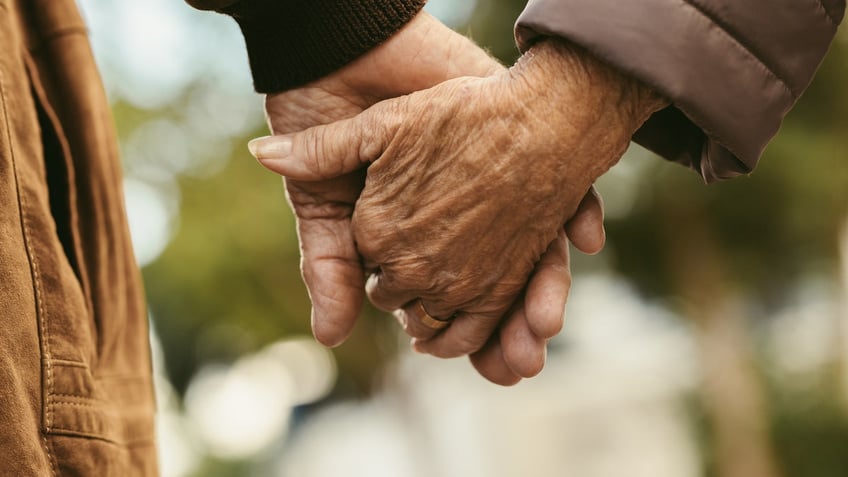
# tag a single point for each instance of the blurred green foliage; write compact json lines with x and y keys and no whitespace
{"x":773,"y":228}
{"x":769,"y":233}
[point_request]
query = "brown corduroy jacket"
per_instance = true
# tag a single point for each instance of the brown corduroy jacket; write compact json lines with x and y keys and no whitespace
{"x":76,"y":392}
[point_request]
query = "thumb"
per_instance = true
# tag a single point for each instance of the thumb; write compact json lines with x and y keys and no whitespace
{"x":328,"y":151}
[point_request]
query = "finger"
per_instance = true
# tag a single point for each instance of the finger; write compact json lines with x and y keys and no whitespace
{"x":586,"y":228}
{"x":386,"y":294}
{"x":328,"y":151}
{"x":419,"y":324}
{"x":547,"y":291}
{"x":523,"y":352}
{"x":408,"y":309}
{"x":490,"y":363}
{"x":467,"y":333}
{"x":333,"y":276}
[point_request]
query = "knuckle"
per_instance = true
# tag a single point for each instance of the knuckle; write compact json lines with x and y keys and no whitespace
{"x":380,"y":127}
{"x":326,"y":162}
{"x":412,"y":274}
{"x":366,"y":232}
{"x":391,"y":283}
{"x":449,"y":298}
{"x":314,"y":145}
{"x":370,"y":148}
{"x":379,"y":286}
{"x":454,"y":289}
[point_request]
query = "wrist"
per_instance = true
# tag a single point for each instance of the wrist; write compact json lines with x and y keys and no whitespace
{"x":567,"y":78}
{"x":420,"y":55}
{"x":580,"y":113}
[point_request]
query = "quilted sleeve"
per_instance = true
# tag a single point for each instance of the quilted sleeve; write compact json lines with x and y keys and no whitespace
{"x":732,"y":69}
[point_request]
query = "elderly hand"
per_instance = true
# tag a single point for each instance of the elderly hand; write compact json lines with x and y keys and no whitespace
{"x":424,"y":53}
{"x":331,"y":266}
{"x":470,"y":181}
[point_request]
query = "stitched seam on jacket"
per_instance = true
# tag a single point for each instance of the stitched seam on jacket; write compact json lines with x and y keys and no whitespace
{"x":39,"y":295}
{"x":79,"y":396}
{"x":49,"y":455}
{"x":827,"y":14}
{"x":69,"y":363}
{"x":75,"y":396}
{"x":95,"y":405}
{"x":139,"y":442}
{"x":722,"y":26}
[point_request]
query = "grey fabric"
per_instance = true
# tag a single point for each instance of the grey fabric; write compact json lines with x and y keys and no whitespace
{"x":732,"y":69}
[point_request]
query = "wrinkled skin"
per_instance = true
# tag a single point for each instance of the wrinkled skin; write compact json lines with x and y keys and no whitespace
{"x":331,"y":264}
{"x":468,"y":184}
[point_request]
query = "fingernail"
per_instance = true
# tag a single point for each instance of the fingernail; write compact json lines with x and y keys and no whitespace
{"x":270,"y":147}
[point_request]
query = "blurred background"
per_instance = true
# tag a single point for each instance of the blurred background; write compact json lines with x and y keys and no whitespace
{"x":710,"y":338}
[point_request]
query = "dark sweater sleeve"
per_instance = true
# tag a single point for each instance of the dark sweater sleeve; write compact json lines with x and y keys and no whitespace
{"x":732,"y":69}
{"x":292,"y":42}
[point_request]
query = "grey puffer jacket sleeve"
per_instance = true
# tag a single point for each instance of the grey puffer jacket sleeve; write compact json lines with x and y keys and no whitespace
{"x":731,"y":68}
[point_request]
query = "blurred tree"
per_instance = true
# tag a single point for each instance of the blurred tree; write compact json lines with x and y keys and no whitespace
{"x":732,"y":253}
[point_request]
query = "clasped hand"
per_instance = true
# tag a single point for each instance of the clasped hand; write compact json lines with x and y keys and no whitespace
{"x":452,"y":197}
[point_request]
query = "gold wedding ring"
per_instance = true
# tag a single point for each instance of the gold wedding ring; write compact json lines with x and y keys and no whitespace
{"x":427,"y":320}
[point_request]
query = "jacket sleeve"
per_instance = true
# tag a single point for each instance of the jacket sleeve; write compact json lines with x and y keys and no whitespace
{"x":732,"y":69}
{"x":292,"y":42}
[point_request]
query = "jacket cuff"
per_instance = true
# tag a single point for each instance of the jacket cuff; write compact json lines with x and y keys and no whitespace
{"x":726,"y":102}
{"x":292,"y":43}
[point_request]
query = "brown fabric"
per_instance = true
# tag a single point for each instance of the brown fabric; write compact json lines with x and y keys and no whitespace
{"x":76,"y":392}
{"x":293,"y":42}
{"x":731,"y":68}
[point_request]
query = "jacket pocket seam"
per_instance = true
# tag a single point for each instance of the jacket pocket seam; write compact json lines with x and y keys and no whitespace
{"x":74,"y":396}
{"x":144,"y":441}
{"x":38,"y":292}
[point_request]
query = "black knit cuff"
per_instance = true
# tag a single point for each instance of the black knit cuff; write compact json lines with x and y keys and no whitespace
{"x":290,"y":43}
